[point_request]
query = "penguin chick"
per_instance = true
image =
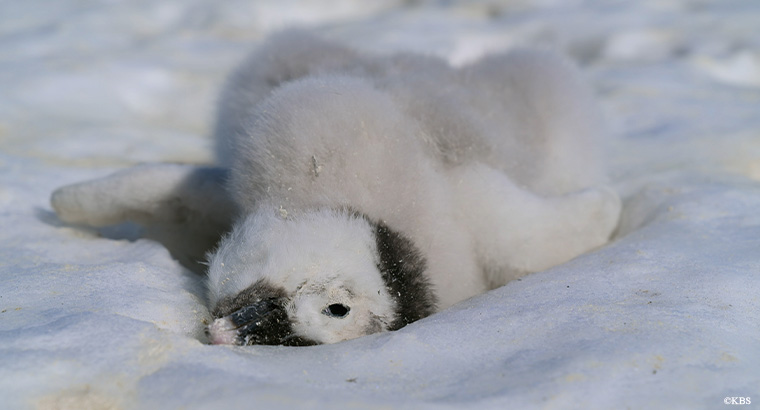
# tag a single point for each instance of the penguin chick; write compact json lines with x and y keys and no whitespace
{"x":365,"y":193}
{"x":487,"y":173}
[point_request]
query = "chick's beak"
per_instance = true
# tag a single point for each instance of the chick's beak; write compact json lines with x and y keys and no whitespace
{"x":263,"y":322}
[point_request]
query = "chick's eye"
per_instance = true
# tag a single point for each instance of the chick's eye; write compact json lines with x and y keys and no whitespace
{"x":337,"y":310}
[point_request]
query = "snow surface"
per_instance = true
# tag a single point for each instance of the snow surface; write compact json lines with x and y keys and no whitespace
{"x":666,"y":316}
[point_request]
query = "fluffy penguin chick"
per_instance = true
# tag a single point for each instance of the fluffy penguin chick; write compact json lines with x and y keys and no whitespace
{"x":377,"y":190}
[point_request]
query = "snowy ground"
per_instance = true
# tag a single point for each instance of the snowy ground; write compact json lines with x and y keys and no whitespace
{"x":666,"y":316}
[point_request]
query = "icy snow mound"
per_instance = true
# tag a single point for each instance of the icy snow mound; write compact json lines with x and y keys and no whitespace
{"x":667,"y":315}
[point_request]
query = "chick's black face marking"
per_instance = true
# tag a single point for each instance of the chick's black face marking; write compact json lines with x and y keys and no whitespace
{"x":259,"y":317}
{"x":258,"y":291}
{"x":403,"y":270}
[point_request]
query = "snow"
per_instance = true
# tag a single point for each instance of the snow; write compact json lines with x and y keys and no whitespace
{"x":666,"y":316}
